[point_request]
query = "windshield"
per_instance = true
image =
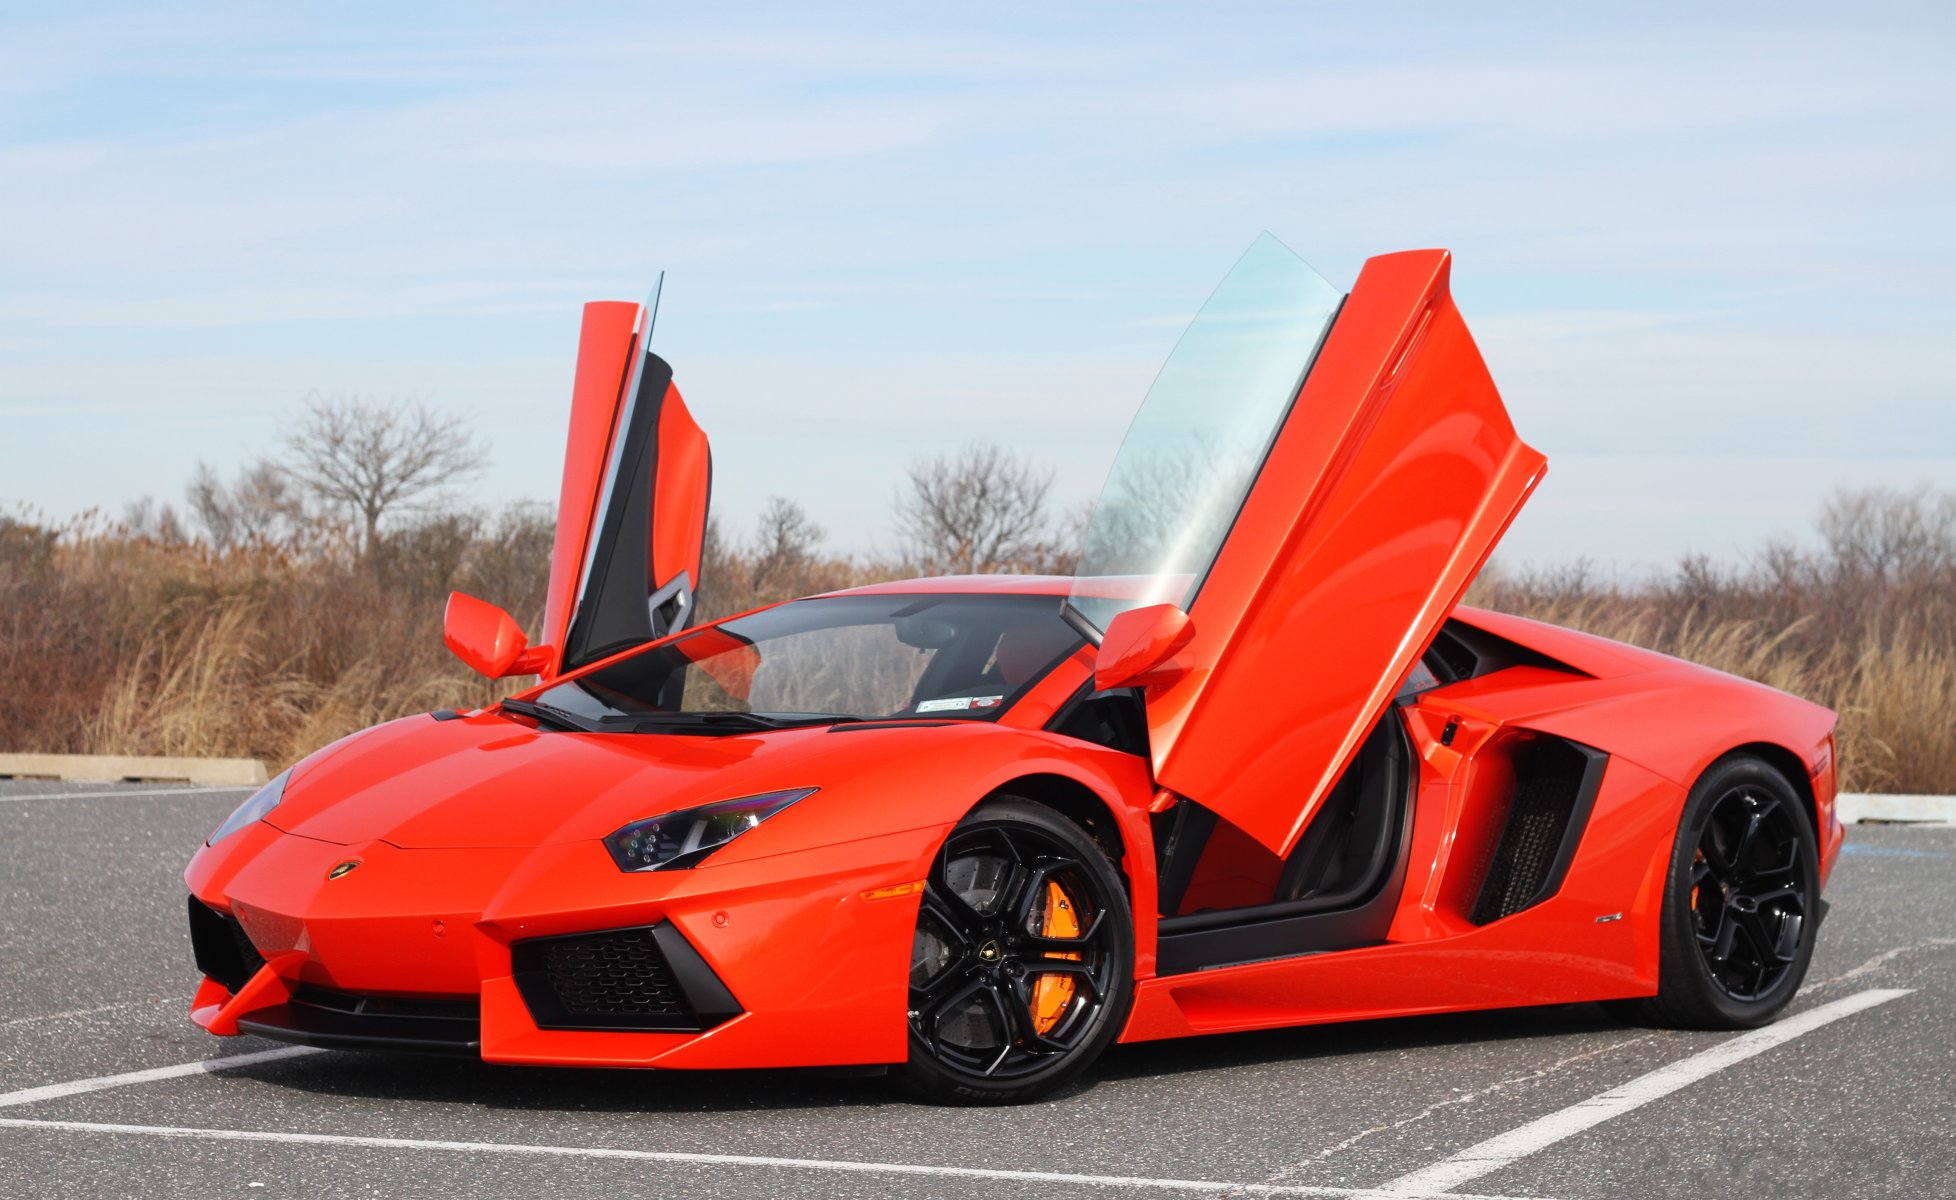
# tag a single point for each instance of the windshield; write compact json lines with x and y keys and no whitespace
{"x":845,"y":658}
{"x":1202,"y":433}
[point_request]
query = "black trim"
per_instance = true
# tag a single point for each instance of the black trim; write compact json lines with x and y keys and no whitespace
{"x":848,"y":726}
{"x":1556,"y":781}
{"x":704,"y":995}
{"x":342,"y":1021}
{"x":446,"y":714}
{"x":1116,"y":718}
{"x":612,"y":610}
{"x":1462,"y":651}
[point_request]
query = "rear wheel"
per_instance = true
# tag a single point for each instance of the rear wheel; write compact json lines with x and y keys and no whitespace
{"x":1022,"y":969}
{"x":1741,"y":904}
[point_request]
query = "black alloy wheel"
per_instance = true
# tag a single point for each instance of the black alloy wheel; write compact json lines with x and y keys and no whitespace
{"x":1022,"y":966}
{"x":1742,"y":902}
{"x":1748,"y":893}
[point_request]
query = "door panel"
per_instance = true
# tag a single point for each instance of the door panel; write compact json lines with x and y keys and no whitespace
{"x":1384,"y":489}
{"x":631,"y":517}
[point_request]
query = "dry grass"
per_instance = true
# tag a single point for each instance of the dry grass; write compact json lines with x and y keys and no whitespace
{"x":1864,"y":624}
{"x":116,"y":643}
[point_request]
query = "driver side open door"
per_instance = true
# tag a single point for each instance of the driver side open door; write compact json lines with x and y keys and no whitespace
{"x":632,"y":510}
{"x":1314,"y":480}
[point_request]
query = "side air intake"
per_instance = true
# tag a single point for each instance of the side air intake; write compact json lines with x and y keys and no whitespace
{"x":1555,"y":785}
{"x":644,"y":978}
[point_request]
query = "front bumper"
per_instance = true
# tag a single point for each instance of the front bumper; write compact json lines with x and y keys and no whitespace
{"x":553,"y":956}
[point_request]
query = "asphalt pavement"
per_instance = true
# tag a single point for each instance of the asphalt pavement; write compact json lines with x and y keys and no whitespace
{"x":1855,"y":1096}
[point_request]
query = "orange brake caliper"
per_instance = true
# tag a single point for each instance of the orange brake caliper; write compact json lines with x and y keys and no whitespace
{"x":1052,"y":993}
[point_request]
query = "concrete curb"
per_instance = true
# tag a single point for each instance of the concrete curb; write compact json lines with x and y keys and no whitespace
{"x":1861,"y":808}
{"x":121,"y":768}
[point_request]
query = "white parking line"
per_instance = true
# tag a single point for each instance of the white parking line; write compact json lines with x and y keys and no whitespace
{"x":120,"y":792}
{"x":55,"y":1091}
{"x":731,"y":1160}
{"x":1503,"y":1149}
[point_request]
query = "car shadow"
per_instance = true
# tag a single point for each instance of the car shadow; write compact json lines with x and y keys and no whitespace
{"x":565,"y":1089}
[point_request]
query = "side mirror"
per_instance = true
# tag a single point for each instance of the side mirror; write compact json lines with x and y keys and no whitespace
{"x":1140,"y":647}
{"x":488,"y":639}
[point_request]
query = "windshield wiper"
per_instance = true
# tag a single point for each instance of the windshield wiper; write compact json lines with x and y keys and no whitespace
{"x":545,"y":714}
{"x":716,"y":722}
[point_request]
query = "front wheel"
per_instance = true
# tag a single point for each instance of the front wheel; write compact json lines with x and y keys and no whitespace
{"x":1022,"y":969}
{"x":1741,"y":905}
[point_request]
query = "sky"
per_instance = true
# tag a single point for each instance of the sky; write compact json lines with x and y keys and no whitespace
{"x":1706,"y":250}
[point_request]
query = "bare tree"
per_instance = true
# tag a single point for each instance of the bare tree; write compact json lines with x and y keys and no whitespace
{"x":785,"y":540}
{"x":369,"y":459}
{"x":262,"y":505}
{"x":145,"y":518}
{"x":1886,"y":533}
{"x":981,"y":509}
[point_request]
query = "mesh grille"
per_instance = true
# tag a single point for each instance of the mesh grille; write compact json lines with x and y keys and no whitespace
{"x":618,"y":974}
{"x":1549,"y":785}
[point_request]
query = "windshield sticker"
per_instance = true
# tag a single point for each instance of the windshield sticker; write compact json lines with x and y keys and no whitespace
{"x":959,"y":703}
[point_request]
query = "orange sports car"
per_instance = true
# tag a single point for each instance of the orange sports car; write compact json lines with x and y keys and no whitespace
{"x":1252,"y":766}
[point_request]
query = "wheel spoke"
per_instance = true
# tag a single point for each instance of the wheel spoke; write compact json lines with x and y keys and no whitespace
{"x":1788,"y":868}
{"x":1713,"y":845}
{"x":1010,"y":1016}
{"x":1709,"y":937}
{"x":951,"y":1002}
{"x":1755,"y":820}
{"x":958,"y":911}
{"x":935,"y":987}
{"x":1034,"y":890}
{"x":1024,"y":1028}
{"x":1762,"y":895}
{"x":1040,"y":945}
{"x":1721,"y":946}
{"x":948,"y":914}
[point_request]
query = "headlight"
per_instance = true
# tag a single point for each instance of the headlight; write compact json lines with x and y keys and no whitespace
{"x":262,"y":801}
{"x":683,"y":838}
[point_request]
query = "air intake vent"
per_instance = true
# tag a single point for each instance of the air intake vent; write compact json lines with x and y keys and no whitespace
{"x":1555,"y":784}
{"x":222,"y":950}
{"x":647,"y":978}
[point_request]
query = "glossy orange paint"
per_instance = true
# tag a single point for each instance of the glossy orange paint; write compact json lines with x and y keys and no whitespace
{"x":1381,"y":496}
{"x":604,"y":346}
{"x":1140,"y":646}
{"x":684,"y":479}
{"x":488,"y":639}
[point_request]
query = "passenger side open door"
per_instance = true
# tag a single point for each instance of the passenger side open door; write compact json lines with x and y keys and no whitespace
{"x":1314,"y":479}
{"x":631,"y":514}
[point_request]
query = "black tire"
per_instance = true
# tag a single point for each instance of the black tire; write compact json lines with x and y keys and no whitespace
{"x":1003,"y":1007}
{"x":1741,"y":903}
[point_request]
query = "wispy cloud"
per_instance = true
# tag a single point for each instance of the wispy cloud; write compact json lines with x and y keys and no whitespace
{"x":1674,"y":228}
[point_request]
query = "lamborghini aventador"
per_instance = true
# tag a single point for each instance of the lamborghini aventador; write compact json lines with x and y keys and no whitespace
{"x":1254,"y":765}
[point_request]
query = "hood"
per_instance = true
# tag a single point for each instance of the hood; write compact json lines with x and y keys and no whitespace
{"x":487,"y":781}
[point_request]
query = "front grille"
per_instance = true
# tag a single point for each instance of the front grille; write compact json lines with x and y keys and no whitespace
{"x":222,"y":949}
{"x":460,"y":1008}
{"x":614,"y":975}
{"x":644,"y":978}
{"x":1555,"y":783}
{"x":335,"y":1020}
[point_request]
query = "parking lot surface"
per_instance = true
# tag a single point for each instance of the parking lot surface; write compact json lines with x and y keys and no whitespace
{"x":107,"y":1089}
